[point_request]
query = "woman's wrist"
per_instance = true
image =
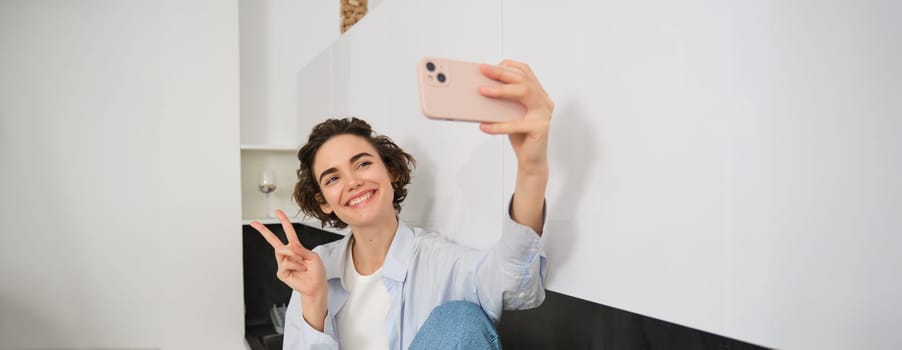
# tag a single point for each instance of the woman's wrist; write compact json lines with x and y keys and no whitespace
{"x":535,"y":171}
{"x":315,"y":310}
{"x":528,"y":203}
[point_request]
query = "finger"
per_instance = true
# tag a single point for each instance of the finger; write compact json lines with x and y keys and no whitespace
{"x":288,"y":228}
{"x":292,"y":266}
{"x":297,"y":260}
{"x":293,"y":254}
{"x":286,"y":253}
{"x":289,"y":257}
{"x":503,"y":74}
{"x":305,"y":253}
{"x":296,"y":252}
{"x":507,"y":91}
{"x":270,"y":237}
{"x":524,"y":93}
{"x":520,"y":66}
{"x":528,"y":73}
{"x":515,"y":127}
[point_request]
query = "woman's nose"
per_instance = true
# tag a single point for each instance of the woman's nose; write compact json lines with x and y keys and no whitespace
{"x":356,"y":181}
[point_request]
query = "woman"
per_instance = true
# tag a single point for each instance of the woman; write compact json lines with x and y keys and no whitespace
{"x":390,"y":286}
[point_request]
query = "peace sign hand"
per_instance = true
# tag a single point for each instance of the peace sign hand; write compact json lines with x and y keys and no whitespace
{"x":299,"y":268}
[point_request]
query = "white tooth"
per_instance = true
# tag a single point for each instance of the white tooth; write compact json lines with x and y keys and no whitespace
{"x":360,"y":199}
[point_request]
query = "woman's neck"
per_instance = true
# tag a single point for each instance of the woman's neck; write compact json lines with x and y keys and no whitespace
{"x":370,"y":245}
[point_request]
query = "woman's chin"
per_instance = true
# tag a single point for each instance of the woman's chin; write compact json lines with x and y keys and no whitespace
{"x":366,"y":218}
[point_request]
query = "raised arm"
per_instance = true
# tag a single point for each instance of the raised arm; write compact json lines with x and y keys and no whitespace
{"x":511,"y":274}
{"x":528,"y":137}
{"x":300,"y":269}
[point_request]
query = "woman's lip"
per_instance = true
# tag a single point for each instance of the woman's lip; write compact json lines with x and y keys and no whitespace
{"x":361,"y":194}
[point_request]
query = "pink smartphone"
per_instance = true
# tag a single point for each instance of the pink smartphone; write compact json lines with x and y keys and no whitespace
{"x":449,"y":90}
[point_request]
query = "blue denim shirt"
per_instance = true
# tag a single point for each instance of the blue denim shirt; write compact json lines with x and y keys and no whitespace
{"x":423,"y":270}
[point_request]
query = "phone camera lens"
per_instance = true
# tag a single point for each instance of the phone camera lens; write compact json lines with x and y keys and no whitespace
{"x":430,"y":66}
{"x":440,"y":77}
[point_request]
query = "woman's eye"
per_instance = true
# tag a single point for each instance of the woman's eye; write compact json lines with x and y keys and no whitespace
{"x":331,"y":180}
{"x":364,"y":164}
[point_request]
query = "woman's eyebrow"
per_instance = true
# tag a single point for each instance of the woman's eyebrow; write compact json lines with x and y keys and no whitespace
{"x":327,"y":172}
{"x":360,"y":155}
{"x":353,"y":159}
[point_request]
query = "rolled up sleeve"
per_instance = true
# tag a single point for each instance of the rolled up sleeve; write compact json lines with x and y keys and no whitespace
{"x":299,"y":335}
{"x":511,"y":276}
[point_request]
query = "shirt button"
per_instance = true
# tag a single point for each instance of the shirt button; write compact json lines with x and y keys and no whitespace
{"x":522,"y":295}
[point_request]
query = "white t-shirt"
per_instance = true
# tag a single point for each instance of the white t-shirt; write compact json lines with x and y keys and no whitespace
{"x":361,"y":321}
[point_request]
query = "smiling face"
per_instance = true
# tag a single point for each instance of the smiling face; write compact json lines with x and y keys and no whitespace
{"x":354,"y":183}
{"x":348,"y":137}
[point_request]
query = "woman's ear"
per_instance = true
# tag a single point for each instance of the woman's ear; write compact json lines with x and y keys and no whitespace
{"x":323,"y":205}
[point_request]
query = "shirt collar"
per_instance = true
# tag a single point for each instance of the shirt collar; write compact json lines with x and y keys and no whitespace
{"x":335,"y":261}
{"x":396,"y":261}
{"x":399,"y":254}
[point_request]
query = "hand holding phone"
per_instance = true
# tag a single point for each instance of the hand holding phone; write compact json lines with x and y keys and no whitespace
{"x":449,"y":90}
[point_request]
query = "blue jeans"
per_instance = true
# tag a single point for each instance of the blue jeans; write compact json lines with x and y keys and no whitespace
{"x":457,"y":325}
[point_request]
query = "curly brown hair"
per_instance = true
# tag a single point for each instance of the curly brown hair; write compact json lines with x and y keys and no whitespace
{"x":307,"y":192}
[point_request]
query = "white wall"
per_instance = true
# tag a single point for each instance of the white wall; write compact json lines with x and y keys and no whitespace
{"x":738,"y":163}
{"x":119,"y":144}
{"x":729,"y":166}
{"x":278,"y":37}
{"x":80,"y":137}
{"x":201,"y":294}
{"x":664,"y":211}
